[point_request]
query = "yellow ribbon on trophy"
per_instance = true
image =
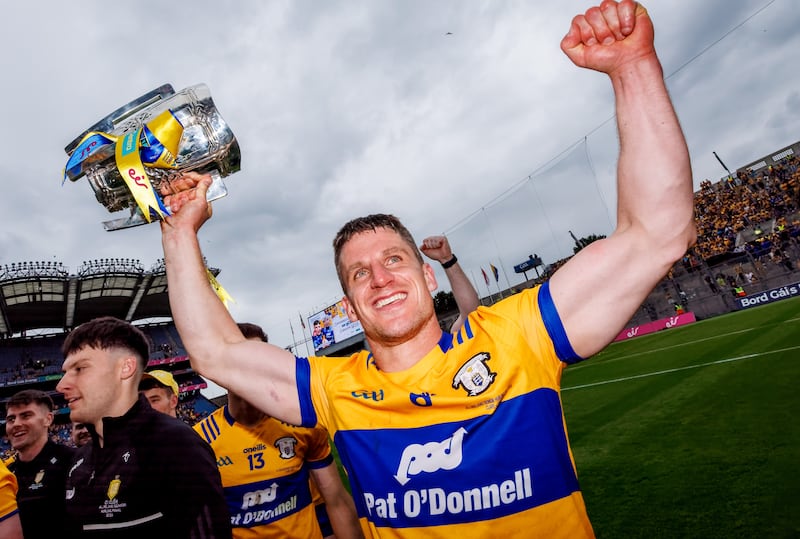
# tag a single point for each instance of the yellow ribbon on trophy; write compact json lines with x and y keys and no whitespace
{"x":222,"y":294}
{"x":154,"y":144}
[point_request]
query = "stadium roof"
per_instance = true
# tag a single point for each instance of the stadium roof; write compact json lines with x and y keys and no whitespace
{"x":44,"y":295}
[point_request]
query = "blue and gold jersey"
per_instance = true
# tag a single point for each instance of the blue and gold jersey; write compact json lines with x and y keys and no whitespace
{"x":265,"y":474}
{"x":8,"y":492}
{"x":470,"y":441}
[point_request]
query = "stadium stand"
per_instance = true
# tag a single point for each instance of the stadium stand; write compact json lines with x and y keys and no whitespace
{"x":41,"y":301}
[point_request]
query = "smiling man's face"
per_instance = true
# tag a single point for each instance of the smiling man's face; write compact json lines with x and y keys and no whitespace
{"x":388,"y":288}
{"x":27,"y":424}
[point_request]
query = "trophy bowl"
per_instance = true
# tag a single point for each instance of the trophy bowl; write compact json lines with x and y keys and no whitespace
{"x":172,"y":133}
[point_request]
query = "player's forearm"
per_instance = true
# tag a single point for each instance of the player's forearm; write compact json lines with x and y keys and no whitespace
{"x":654,"y":171}
{"x":200,"y":317}
{"x":343,"y":518}
{"x":464,"y":293}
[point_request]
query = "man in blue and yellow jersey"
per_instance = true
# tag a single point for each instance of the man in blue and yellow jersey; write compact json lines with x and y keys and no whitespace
{"x":270,"y":470}
{"x":10,"y":525}
{"x":462,"y":435}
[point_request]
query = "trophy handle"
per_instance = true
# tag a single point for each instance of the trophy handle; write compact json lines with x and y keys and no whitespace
{"x":107,"y":124}
{"x":216,"y":190}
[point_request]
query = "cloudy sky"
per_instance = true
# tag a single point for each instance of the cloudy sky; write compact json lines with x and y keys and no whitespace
{"x":461,"y":117}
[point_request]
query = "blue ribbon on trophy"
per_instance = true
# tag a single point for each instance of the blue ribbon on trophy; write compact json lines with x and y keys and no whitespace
{"x":154,"y":144}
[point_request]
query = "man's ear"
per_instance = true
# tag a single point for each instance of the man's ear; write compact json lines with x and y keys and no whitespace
{"x":128,"y":367}
{"x":430,"y":277}
{"x":348,"y":308}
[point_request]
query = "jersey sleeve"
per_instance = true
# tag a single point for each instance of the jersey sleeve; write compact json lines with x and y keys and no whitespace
{"x":311,"y":375}
{"x":8,"y":492}
{"x":318,"y":454}
{"x":533,"y":314}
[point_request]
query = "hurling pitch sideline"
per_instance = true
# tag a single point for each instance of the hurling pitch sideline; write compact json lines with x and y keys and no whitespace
{"x":693,"y":431}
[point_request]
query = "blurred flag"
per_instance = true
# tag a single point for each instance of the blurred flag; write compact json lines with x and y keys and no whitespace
{"x":301,"y":320}
{"x":494,"y":270}
{"x":485,"y":277}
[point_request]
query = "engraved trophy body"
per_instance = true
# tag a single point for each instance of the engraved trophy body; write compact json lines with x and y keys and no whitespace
{"x":145,"y":145}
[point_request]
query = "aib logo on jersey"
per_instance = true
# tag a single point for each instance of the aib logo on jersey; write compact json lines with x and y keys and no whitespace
{"x":430,"y":457}
{"x":474,"y":375}
{"x":285,"y":446}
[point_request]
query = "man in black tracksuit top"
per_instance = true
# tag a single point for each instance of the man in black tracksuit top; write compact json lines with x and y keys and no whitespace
{"x":145,"y":474}
{"x":40,"y":465}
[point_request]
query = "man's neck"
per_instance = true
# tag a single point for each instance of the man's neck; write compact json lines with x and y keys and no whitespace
{"x":247,"y":415}
{"x":32,"y":451}
{"x":391,"y":357}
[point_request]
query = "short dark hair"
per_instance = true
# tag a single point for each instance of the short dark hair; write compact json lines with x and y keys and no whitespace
{"x":366,"y":224}
{"x":108,"y":332}
{"x":28,"y":396}
{"x":252,"y":331}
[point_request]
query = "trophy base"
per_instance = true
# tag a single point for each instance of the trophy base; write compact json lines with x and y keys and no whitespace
{"x":216,"y":190}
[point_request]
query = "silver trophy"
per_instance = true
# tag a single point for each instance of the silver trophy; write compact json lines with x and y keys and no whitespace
{"x":205,"y":144}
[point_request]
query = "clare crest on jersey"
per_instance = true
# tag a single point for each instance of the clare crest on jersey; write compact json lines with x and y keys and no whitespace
{"x":474,"y":375}
{"x":285,"y":446}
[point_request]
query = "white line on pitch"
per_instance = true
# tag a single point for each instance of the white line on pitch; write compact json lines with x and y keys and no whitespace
{"x":667,"y":371}
{"x":590,"y":363}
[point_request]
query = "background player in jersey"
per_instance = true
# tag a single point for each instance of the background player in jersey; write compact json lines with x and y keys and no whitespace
{"x":10,"y":526}
{"x":464,"y":437}
{"x":41,"y":465}
{"x":256,"y":453}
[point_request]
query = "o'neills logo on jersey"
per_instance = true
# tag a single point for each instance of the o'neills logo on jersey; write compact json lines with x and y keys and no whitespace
{"x":285,"y":446}
{"x":430,"y":457}
{"x":474,"y":375}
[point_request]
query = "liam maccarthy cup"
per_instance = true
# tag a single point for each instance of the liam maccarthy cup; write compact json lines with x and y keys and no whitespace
{"x":132,"y":156}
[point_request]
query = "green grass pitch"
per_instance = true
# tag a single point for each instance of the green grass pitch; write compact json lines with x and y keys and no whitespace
{"x":693,"y":431}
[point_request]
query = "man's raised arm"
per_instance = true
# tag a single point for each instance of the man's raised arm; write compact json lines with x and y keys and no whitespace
{"x":598,"y":291}
{"x":438,"y":248}
{"x":259,"y":372}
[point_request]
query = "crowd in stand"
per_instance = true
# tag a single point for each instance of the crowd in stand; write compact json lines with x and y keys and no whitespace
{"x":766,"y":203}
{"x":748,"y":201}
{"x":27,"y":368}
